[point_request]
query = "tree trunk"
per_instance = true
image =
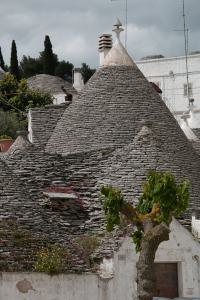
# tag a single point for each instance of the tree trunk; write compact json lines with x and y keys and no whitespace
{"x":145,"y":272}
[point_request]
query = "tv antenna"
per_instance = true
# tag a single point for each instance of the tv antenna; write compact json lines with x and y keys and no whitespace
{"x":186,"y":50}
{"x":186,"y":46}
{"x":126,"y":20}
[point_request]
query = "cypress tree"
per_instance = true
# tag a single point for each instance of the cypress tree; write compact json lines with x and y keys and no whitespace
{"x":14,"y":67}
{"x":48,"y":57}
{"x":2,"y":64}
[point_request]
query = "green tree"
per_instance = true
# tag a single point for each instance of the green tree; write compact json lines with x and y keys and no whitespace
{"x":2,"y":64}
{"x":26,"y":98}
{"x":16,"y":96}
{"x":86,"y":72}
{"x":10,"y":124}
{"x":31,"y":66}
{"x":162,"y":199}
{"x":48,"y":58}
{"x":14,"y":67}
{"x":64,"y":70}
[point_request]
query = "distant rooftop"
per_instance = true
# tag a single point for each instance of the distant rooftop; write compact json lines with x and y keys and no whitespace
{"x":50,"y":84}
{"x":156,"y":56}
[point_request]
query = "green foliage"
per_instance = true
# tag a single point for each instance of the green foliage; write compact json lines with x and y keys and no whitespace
{"x":31,"y":66}
{"x":10,"y":124}
{"x":64,"y":70}
{"x":15,"y":100}
{"x":8,"y":87}
{"x":2,"y":64}
{"x":161,"y":187}
{"x":137,"y":238}
{"x":5,"y":137}
{"x":48,"y":58}
{"x":86,"y":72}
{"x":16,"y":96}
{"x":51,"y":260}
{"x":162,"y":199}
{"x":87,"y":244}
{"x":14,"y":67}
{"x":26,"y":98}
{"x":112,"y":203}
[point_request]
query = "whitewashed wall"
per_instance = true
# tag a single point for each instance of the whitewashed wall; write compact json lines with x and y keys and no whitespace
{"x":159,"y":71}
{"x":117,"y":286}
{"x":59,"y":98}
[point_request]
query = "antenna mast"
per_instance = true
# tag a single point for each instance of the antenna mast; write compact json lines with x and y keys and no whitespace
{"x":186,"y":50}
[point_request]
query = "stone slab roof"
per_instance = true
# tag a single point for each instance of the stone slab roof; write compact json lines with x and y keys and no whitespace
{"x":50,"y":84}
{"x":80,"y":175}
{"x":56,"y":219}
{"x":42,"y":122}
{"x":127,"y":167}
{"x":108,"y":112}
{"x":114,"y":131}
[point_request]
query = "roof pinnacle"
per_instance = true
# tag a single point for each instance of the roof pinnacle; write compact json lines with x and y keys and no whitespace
{"x":118,"y":29}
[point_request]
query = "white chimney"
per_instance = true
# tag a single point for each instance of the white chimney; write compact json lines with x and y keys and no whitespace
{"x":105,"y":44}
{"x":78,"y":82}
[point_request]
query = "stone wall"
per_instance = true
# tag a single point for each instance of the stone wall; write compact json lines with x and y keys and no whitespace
{"x":116,"y":279}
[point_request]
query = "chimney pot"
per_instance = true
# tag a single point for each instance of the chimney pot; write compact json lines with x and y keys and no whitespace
{"x":105,"y":44}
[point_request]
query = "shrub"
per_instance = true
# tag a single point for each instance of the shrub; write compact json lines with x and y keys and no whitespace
{"x":87,"y":244}
{"x":51,"y":260}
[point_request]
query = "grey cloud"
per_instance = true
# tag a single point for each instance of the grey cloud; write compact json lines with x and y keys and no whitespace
{"x":74,"y":26}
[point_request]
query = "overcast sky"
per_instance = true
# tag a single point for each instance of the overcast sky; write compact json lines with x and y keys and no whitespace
{"x":74,"y":27}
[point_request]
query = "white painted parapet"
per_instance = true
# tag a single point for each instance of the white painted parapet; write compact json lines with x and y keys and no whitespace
{"x":195,"y":227}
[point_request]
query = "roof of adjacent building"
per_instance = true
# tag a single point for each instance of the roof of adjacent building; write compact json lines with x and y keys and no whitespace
{"x":50,"y":84}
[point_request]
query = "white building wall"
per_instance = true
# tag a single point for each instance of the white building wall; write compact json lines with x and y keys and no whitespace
{"x":30,"y":131}
{"x":59,"y":98}
{"x":170,"y":73}
{"x":196,"y":227}
{"x":114,"y":284}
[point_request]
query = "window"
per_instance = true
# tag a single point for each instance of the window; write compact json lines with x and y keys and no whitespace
{"x":189,"y":90}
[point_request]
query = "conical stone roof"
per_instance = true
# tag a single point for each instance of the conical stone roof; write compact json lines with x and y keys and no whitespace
{"x":109,"y":111}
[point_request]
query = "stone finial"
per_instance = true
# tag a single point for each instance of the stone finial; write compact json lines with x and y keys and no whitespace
{"x":118,"y":56}
{"x":118,"y":28}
